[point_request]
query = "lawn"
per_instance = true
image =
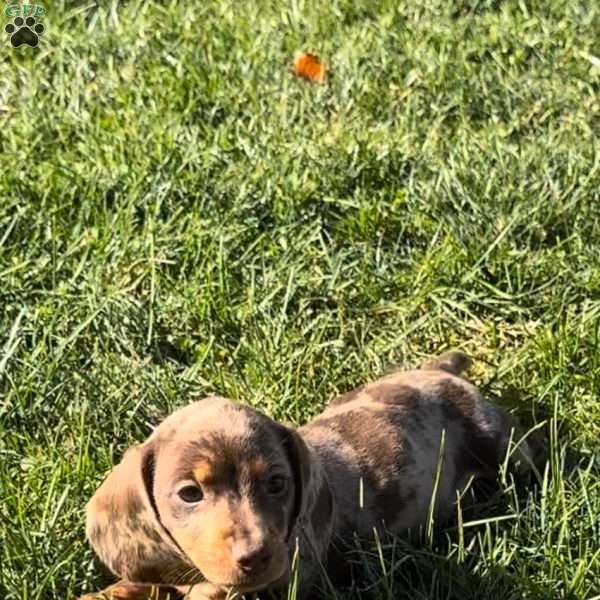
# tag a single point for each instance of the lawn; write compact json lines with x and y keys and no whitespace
{"x":180,"y":215}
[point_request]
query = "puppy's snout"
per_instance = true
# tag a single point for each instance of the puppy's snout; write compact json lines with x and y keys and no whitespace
{"x":252,"y":558}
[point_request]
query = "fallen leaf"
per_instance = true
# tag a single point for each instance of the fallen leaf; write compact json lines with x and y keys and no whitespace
{"x":310,"y":67}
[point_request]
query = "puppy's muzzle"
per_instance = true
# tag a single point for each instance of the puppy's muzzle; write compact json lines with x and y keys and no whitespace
{"x":252,"y":560}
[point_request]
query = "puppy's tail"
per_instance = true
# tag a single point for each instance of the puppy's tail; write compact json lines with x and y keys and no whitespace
{"x":453,"y":361}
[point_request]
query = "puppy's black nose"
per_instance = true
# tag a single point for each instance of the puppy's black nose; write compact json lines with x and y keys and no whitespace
{"x":251,"y":558}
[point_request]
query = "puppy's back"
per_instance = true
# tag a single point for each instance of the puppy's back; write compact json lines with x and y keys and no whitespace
{"x":381,"y":445}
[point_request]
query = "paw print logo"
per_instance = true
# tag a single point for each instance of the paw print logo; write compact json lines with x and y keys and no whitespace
{"x":24,"y":31}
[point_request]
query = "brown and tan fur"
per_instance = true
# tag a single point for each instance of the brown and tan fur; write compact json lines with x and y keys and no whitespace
{"x":369,"y":460}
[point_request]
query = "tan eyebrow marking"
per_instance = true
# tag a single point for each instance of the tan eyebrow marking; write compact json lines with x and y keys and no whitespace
{"x":204,"y":472}
{"x":257,"y":468}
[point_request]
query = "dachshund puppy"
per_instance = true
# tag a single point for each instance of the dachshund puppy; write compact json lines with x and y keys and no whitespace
{"x":221,"y":500}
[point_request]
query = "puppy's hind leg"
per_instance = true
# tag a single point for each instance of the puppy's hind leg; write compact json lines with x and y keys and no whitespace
{"x":453,"y":361}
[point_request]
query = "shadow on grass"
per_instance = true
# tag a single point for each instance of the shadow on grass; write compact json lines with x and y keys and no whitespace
{"x":418,"y":573}
{"x":452,"y":564}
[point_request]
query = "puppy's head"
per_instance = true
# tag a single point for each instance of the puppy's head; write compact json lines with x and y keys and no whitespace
{"x":215,"y":492}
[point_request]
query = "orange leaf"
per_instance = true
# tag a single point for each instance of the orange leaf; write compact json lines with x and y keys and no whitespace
{"x":310,"y":67}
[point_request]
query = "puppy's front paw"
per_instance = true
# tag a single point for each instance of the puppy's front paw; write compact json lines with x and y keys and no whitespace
{"x":207,"y":591}
{"x":135,"y":591}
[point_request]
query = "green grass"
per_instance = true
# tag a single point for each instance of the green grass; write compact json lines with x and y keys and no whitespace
{"x":179,"y":215}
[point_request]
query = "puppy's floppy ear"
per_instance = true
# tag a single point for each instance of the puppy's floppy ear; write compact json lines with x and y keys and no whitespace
{"x":299,"y":458}
{"x":311,"y":490}
{"x":123,"y":524}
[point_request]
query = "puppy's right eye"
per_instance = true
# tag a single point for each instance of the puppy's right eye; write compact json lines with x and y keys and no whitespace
{"x":190,"y":494}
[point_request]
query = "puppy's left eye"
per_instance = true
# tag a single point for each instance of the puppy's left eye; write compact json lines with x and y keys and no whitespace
{"x":190,"y":494}
{"x":277,"y":485}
